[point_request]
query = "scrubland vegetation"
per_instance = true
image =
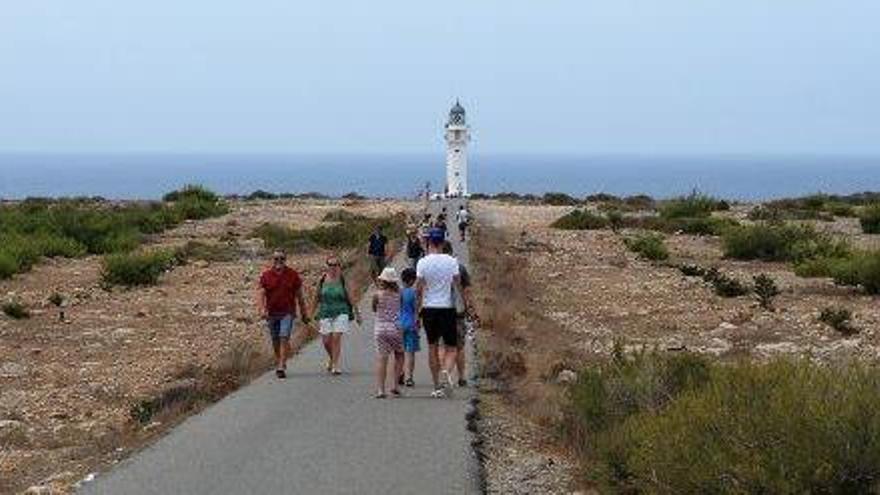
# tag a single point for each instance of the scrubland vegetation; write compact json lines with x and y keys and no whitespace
{"x":71,"y":228}
{"x":683,"y":424}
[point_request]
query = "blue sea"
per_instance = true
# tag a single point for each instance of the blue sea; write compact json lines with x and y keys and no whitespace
{"x":148,"y":176}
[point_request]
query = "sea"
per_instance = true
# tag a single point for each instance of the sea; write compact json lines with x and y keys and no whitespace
{"x":150,"y":175}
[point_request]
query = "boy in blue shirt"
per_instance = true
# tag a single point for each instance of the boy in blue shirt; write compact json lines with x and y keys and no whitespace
{"x":408,"y":324}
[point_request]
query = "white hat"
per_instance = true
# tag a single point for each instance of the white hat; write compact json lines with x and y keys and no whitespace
{"x":389,"y":274}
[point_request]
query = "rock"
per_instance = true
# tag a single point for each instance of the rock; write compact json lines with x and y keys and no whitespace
{"x":38,"y":490}
{"x":727,"y":326}
{"x":566,"y":376}
{"x":141,"y":314}
{"x":12,"y":370}
{"x":778,"y":348}
{"x":123,"y":332}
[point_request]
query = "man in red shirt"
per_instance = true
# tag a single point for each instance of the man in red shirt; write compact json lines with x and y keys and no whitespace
{"x":279,"y":293}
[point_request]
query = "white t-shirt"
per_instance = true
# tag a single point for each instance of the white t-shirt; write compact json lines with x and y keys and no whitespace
{"x":438,"y":271}
{"x":462,"y":216}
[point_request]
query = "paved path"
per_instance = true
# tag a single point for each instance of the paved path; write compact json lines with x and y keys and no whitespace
{"x":313,"y":434}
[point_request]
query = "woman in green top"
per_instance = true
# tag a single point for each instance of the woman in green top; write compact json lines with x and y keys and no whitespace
{"x":334,"y":311}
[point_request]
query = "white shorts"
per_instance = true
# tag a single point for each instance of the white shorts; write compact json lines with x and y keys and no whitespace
{"x":340,"y":324}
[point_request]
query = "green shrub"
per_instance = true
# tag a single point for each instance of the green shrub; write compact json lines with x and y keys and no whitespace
{"x":870,"y":219}
{"x":559,"y":199}
{"x":840,"y":209}
{"x":133,"y":269}
{"x":615,"y":220}
{"x":781,"y":427}
{"x":766,"y":290}
{"x":689,"y":270}
{"x":8,"y":265}
{"x":648,"y":246}
{"x":580,"y":220}
{"x":192,"y":192}
{"x":772,"y":242}
{"x":726,"y":286}
{"x":15,"y":310}
{"x":838,"y":319}
{"x":694,"y":205}
{"x":349,"y":231}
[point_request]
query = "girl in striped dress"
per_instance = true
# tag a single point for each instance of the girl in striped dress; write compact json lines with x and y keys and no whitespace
{"x":389,"y":336}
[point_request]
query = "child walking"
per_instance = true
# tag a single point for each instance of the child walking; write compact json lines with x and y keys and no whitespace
{"x":389,"y":338}
{"x":408,"y":323}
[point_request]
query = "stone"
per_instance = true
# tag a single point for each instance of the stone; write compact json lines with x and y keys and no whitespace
{"x":38,"y":490}
{"x":12,"y":370}
{"x":566,"y":376}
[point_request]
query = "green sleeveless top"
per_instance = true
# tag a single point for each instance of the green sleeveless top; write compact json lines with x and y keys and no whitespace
{"x":333,"y":301}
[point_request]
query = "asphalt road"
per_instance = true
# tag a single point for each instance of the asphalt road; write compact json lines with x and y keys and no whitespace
{"x":314,"y":433}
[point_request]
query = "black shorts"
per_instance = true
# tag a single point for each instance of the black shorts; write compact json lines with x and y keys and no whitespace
{"x":440,"y":324}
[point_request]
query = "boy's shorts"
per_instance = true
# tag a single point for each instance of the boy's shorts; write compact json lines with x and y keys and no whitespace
{"x":280,"y":327}
{"x":411,"y":341}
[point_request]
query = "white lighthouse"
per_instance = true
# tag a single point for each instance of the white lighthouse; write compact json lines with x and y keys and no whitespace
{"x":457,"y":138}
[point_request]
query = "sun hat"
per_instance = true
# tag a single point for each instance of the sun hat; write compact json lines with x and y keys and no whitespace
{"x":389,"y":274}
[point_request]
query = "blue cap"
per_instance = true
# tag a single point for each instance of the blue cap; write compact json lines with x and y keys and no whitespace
{"x":436,"y":235}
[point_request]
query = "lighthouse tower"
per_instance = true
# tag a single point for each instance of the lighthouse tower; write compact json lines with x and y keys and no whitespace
{"x":457,"y":138}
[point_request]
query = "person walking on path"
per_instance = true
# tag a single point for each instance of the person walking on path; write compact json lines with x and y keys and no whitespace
{"x":334,"y":311}
{"x":280,"y":291}
{"x":377,"y":251}
{"x":462,"y":218}
{"x":436,"y":275}
{"x":414,"y":250}
{"x":461,"y":315}
{"x":411,"y":337}
{"x":388,"y":334}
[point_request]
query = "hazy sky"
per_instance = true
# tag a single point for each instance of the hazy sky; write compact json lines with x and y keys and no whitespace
{"x":628,"y":76}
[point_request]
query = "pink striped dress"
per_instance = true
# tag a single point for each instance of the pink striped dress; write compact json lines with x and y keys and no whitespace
{"x":389,"y":336}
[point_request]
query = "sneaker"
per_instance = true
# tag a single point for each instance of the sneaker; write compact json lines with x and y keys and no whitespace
{"x":380,"y":395}
{"x":395,"y":392}
{"x":438,"y":393}
{"x":462,"y":382}
{"x":400,"y":380}
{"x":409,"y":382}
{"x":336,"y":372}
{"x":446,"y":379}
{"x":280,"y":373}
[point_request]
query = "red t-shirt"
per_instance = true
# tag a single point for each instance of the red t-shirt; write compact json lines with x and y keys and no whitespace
{"x":281,"y":290}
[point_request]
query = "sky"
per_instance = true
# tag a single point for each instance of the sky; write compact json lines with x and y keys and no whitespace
{"x":353,"y":76}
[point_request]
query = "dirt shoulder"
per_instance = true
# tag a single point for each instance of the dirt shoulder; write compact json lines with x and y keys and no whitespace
{"x":67,"y":389}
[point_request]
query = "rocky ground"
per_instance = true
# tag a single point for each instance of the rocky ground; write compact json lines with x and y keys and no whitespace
{"x":595,"y":292}
{"x":67,"y":387}
{"x":599,"y":291}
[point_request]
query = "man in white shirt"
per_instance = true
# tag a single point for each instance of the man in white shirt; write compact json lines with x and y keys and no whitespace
{"x":436,"y":275}
{"x":463,"y":220}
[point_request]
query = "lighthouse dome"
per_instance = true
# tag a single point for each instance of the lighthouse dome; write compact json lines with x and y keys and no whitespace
{"x":456,"y":114}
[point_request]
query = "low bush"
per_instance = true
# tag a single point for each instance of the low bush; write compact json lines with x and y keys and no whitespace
{"x":649,"y":246}
{"x":349,"y":231}
{"x":689,"y":270}
{"x":559,"y":199}
{"x":838,"y":319}
{"x":857,"y":269}
{"x":773,"y":242}
{"x":694,"y":205}
{"x":580,"y":220}
{"x":766,"y":290}
{"x":261,"y":194}
{"x":779,"y":427}
{"x":616,"y":220}
{"x":194,"y":250}
{"x":726,"y":286}
{"x":869,"y":218}
{"x":133,"y":269}
{"x":15,"y":310}
{"x":37,"y":228}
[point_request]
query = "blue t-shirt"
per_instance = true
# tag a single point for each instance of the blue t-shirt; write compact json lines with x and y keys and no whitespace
{"x":408,"y":308}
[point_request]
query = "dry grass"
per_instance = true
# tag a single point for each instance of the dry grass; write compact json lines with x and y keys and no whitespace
{"x":522,"y":350}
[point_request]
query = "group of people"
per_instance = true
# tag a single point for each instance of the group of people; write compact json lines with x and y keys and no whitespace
{"x":431,"y":296}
